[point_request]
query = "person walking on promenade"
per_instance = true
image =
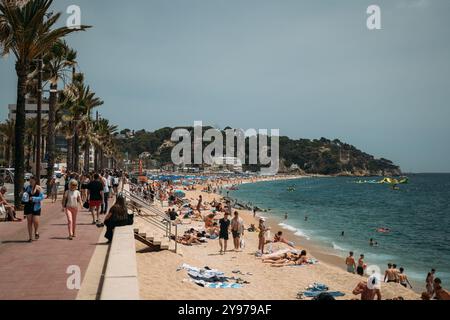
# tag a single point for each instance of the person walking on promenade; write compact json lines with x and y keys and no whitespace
{"x":85,"y":179}
{"x":95,"y":197}
{"x":70,"y":203}
{"x":54,"y":190}
{"x":31,"y":199}
{"x":105,"y":182}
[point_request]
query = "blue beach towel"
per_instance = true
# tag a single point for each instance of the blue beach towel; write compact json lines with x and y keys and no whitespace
{"x":218,"y":285}
{"x":313,"y":294}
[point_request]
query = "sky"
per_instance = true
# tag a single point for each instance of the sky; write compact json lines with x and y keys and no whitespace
{"x":309,"y":68}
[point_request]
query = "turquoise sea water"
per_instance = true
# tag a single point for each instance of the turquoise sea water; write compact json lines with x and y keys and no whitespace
{"x":418,"y":216}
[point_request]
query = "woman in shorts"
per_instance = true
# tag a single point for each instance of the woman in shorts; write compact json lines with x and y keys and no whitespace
{"x":31,"y":199}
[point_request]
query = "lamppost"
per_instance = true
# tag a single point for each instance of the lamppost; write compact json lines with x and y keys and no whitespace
{"x":39,"y":113}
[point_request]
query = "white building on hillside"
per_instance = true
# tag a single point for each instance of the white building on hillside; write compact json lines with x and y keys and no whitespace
{"x":229,"y":163}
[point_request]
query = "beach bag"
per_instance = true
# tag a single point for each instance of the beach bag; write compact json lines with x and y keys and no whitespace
{"x":25,"y":197}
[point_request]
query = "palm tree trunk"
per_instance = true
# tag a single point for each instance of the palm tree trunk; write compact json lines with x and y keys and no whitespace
{"x":76,"y":152}
{"x":51,"y":150}
{"x":34,"y":148}
{"x":28,"y":156}
{"x":69,"y":154}
{"x":102,"y":160}
{"x":96,"y":156}
{"x":87,"y":148}
{"x":19,"y":151}
{"x":8,"y":154}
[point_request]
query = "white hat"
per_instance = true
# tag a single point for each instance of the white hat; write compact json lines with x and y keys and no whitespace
{"x":262,"y":219}
{"x":373,"y":282}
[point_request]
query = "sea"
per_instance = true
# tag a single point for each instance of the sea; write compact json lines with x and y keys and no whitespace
{"x":320,"y":209}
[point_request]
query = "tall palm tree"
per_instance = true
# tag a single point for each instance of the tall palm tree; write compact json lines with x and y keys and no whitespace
{"x":7,"y":129}
{"x":105,"y":133}
{"x":28,"y":32}
{"x":80,"y":101}
{"x":58,"y":61}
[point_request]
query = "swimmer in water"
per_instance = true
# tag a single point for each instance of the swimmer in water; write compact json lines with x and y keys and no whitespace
{"x":285,"y":216}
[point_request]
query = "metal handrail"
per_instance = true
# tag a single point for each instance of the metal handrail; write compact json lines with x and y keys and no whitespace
{"x":164,"y":225}
{"x":144,"y":203}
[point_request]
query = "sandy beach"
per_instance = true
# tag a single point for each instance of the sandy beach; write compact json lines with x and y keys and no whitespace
{"x":159,"y":278}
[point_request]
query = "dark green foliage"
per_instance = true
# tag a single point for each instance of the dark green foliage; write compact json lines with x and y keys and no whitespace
{"x":323,"y":156}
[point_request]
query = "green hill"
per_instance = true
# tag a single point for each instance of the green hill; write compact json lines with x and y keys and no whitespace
{"x":319,"y":156}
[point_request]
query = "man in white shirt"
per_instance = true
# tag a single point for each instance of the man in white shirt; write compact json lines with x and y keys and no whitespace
{"x":106,"y":184}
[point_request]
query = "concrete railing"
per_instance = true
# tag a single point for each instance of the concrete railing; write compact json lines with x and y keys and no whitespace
{"x":121,"y":279}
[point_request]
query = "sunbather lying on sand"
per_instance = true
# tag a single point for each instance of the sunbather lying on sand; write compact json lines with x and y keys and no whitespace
{"x":188,"y":239}
{"x":298,"y":260}
{"x":285,"y":256}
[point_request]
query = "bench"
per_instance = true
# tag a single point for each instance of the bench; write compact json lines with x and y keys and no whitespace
{"x":121,"y":279}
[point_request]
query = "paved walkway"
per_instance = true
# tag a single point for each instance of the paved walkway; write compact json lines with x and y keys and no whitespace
{"x":37,"y":270}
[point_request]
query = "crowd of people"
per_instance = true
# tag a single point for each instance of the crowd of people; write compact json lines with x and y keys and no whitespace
{"x":393,"y":274}
{"x":92,"y":191}
{"x":221,"y":220}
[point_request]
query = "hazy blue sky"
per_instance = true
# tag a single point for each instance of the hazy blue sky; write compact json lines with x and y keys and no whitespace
{"x":309,"y":68}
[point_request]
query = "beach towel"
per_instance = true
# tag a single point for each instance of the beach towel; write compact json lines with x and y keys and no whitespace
{"x":316,"y":289}
{"x":218,"y":285}
{"x":208,"y":275}
{"x":309,"y":262}
{"x":313,"y":294}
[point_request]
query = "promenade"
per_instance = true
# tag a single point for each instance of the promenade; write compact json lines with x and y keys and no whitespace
{"x":38,"y":270}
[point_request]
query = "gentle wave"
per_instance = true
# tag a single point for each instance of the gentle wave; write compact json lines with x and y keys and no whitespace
{"x":296,"y":231}
{"x":337,"y":247}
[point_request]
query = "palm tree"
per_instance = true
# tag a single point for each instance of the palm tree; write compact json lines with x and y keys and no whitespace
{"x":57,"y":63}
{"x":79,"y":103}
{"x":105,"y":133}
{"x":26,"y":31}
{"x":7,"y":129}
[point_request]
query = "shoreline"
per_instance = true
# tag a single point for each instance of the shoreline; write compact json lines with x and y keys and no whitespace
{"x":317,"y":249}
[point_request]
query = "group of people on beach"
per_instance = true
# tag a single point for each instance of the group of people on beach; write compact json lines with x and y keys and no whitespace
{"x":397,"y":275}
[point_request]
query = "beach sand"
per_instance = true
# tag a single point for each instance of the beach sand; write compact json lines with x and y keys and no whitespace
{"x":159,"y":278}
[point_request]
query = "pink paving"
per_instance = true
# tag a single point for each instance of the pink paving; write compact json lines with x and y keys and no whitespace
{"x":37,"y":270}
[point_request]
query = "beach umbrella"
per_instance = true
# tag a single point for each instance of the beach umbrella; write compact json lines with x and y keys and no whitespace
{"x":179,"y":194}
